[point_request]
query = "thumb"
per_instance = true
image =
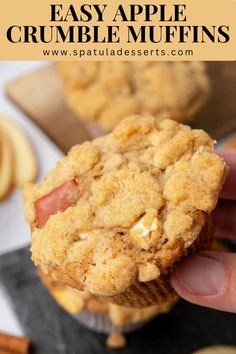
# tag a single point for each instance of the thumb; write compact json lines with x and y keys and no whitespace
{"x":208,"y":279}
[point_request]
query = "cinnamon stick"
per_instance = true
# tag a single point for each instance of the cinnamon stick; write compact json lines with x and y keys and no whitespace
{"x":14,"y":344}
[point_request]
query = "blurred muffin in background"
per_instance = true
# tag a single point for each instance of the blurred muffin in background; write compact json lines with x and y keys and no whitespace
{"x":97,"y":314}
{"x":101,"y":316}
{"x":106,"y":92}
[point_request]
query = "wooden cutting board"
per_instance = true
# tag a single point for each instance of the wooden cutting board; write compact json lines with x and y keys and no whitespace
{"x":39,"y":94}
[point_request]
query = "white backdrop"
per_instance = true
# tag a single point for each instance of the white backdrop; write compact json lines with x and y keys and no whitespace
{"x":14,"y":232}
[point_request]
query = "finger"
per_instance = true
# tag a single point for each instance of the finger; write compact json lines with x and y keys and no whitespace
{"x":224,"y":218}
{"x":208,"y":279}
{"x":229,"y":189}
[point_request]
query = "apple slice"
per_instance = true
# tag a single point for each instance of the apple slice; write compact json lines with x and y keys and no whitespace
{"x":25,"y":169}
{"x":59,"y":199}
{"x":6,"y":166}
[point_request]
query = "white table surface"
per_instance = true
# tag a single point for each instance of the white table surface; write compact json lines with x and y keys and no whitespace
{"x":14,"y":232}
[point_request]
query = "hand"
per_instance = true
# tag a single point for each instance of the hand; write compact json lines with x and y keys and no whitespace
{"x":209,"y":278}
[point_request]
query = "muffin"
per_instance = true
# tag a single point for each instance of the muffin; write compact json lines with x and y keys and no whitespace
{"x":98,"y":314}
{"x":115,"y":215}
{"x":106,"y":92}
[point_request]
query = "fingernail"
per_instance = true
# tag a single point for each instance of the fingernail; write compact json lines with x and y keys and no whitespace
{"x":202,"y":275}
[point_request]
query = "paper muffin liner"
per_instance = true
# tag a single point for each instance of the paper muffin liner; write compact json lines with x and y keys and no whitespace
{"x":145,"y":294}
{"x":97,"y":320}
{"x":101,"y":323}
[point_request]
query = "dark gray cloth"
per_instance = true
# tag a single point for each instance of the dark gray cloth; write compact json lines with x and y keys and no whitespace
{"x":184,"y":330}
